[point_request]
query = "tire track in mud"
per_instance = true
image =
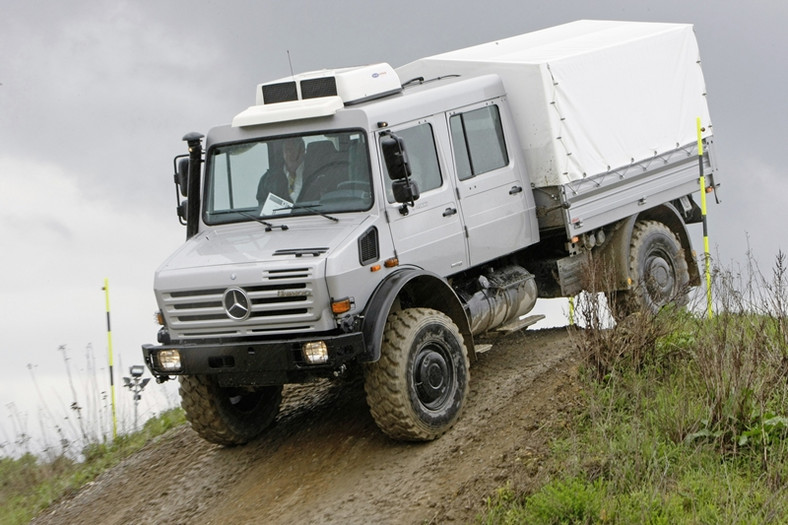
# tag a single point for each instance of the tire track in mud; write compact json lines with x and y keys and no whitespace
{"x":325,"y":461}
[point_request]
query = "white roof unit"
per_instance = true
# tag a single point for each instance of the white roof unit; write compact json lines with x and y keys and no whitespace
{"x":318,"y":93}
{"x":590,"y":96}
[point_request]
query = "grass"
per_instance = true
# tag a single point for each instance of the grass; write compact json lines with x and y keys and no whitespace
{"x":684,"y":419}
{"x":29,"y":484}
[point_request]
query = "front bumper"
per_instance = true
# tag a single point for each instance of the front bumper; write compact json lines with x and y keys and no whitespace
{"x":255,"y":362}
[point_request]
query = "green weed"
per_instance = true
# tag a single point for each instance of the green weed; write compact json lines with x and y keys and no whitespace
{"x":29,"y":484}
{"x":684,"y":421}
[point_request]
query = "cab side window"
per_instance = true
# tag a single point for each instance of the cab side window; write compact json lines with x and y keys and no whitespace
{"x":478,"y":141}
{"x":423,"y":158}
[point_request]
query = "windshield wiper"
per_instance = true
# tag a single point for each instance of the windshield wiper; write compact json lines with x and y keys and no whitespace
{"x":268,"y":226}
{"x":310,"y":208}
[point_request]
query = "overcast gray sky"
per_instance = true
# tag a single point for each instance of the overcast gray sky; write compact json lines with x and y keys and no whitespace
{"x":95,"y":97}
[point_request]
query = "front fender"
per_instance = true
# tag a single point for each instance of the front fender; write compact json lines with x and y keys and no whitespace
{"x":413,"y":287}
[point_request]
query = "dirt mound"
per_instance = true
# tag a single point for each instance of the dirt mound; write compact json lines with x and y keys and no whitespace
{"x":325,"y":461}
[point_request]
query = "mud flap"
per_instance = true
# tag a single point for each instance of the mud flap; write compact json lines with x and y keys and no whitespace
{"x":570,"y":274}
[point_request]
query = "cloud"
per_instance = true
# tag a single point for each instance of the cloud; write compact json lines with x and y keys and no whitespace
{"x":51,"y":224}
{"x":106,"y":94}
{"x":749,"y":212}
{"x":59,"y":244}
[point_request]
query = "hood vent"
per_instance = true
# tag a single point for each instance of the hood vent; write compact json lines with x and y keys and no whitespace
{"x":299,"y":252}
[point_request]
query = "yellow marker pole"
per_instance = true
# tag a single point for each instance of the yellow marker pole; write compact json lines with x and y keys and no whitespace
{"x":571,"y":311}
{"x":109,"y":350}
{"x":705,"y":225}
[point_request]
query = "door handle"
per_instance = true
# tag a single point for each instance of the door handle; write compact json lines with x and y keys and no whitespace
{"x":515,"y":190}
{"x":449,"y":212}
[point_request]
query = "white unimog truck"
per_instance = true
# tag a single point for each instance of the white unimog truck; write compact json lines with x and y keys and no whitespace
{"x":435,"y":202}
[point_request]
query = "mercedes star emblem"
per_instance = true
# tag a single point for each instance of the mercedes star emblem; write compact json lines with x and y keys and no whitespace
{"x":236,"y":304}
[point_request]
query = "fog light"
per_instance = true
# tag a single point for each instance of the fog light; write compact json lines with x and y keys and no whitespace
{"x":169,"y":360}
{"x":315,"y":353}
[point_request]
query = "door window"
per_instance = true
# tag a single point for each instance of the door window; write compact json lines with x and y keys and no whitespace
{"x":479,"y":146}
{"x":422,"y":156}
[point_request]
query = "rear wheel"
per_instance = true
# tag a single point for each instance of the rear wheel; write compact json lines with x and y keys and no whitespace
{"x":228,"y":416}
{"x":417,"y":389}
{"x":658,"y":270}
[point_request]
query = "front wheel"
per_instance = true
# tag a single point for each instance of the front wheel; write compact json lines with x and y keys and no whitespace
{"x":228,"y":416}
{"x":417,"y":389}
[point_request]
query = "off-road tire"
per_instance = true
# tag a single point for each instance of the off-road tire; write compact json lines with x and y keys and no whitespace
{"x":228,"y":416}
{"x":417,"y":389}
{"x":658,"y":269}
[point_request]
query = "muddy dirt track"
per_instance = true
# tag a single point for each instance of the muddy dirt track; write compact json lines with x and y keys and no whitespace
{"x":325,"y":461}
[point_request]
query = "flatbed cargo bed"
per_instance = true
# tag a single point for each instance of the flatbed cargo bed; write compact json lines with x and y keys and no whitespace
{"x":587,"y":204}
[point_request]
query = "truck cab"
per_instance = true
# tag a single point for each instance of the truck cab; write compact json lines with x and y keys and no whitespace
{"x":279,"y":284}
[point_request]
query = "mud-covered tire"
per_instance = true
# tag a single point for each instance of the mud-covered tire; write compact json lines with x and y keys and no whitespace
{"x":228,"y":416}
{"x":658,"y":269}
{"x":417,"y":389}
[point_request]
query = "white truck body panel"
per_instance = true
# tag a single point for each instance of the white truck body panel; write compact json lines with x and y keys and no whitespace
{"x":590,"y":96}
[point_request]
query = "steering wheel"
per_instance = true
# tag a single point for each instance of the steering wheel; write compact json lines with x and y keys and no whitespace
{"x":320,"y":180}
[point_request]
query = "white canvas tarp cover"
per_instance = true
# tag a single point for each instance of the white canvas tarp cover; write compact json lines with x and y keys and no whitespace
{"x":590,"y":96}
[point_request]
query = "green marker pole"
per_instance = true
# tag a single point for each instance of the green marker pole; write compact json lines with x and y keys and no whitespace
{"x":705,"y":224}
{"x":109,"y":350}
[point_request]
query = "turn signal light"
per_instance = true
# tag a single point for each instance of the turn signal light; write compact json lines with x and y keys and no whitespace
{"x":391,"y":263}
{"x":341,"y":306}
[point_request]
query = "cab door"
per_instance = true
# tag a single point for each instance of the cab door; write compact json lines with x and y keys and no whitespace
{"x":430,"y":234}
{"x":496,"y":204}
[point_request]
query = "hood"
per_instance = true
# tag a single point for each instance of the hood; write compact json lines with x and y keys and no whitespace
{"x":248,"y":242}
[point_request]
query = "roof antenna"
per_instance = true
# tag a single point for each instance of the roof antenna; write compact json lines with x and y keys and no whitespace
{"x":291,"y":64}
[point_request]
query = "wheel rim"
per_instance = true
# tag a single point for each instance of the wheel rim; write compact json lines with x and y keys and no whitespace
{"x":660,"y":277}
{"x":433,"y":376}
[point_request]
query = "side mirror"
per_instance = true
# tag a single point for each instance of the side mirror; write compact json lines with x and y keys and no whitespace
{"x":181,"y":209}
{"x":182,"y":175}
{"x":405,"y":191}
{"x":396,"y":158}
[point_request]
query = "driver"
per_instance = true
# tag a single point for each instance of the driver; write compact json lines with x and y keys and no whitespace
{"x":285,"y":182}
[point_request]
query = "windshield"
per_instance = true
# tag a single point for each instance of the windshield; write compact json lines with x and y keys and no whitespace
{"x":288,"y":176}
